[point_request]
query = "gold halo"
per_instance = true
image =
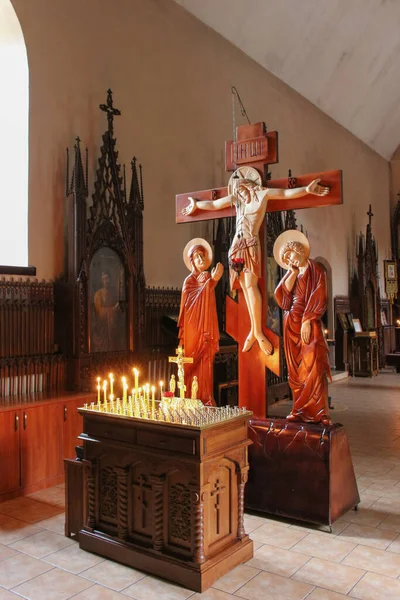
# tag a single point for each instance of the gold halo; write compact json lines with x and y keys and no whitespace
{"x":244,"y":173}
{"x":291,"y":235}
{"x":189,"y":246}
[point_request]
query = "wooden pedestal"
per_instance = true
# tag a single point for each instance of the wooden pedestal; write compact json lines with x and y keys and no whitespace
{"x":165,"y":498}
{"x":300,"y":470}
{"x":74,"y":497}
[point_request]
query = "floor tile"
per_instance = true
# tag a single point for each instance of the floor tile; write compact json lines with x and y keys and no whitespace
{"x":376,"y":587}
{"x":152,"y":588}
{"x":337,"y":527}
{"x":13,"y":529}
{"x":250,"y":523}
{"x":17,"y":503}
{"x":333,"y":576}
{"x":368,"y":536}
{"x":98,"y":592}
{"x":365,"y":516}
{"x":321,"y":594}
{"x":6,"y":552}
{"x":41,"y":544}
{"x":112,"y":575}
{"x":20,"y":568}
{"x":36,"y":512}
{"x":211,"y":594}
{"x":389,"y":505}
{"x":390,"y":522}
{"x":7,"y":595}
{"x":270,"y":587}
{"x":56,"y":523}
{"x":278,"y":561}
{"x":324,"y":547}
{"x":73,"y":559}
{"x":54,"y":585}
{"x":275,"y":535}
{"x":394,"y":546}
{"x":236,"y":578}
{"x":54,"y":495}
{"x":372,"y":559}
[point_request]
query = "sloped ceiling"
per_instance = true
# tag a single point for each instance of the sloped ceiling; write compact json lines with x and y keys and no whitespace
{"x":342,"y":55}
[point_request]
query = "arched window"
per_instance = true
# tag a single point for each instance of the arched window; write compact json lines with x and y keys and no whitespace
{"x":14,"y":107}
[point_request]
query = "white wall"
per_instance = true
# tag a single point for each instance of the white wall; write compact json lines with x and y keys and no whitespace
{"x":171,"y":78}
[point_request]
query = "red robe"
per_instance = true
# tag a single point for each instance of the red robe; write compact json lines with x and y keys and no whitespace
{"x":308,"y":364}
{"x":199,"y":333}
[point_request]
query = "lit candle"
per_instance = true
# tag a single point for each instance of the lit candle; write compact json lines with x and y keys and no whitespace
{"x":111,"y":376}
{"x":136,"y":374}
{"x":153,"y":398}
{"x":105,"y":390}
{"x":98,"y":389}
{"x":161,"y":389}
{"x":124,"y":390}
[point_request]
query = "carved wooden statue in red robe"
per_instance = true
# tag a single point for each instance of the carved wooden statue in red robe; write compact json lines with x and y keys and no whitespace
{"x":302,"y":296}
{"x":198,"y":322}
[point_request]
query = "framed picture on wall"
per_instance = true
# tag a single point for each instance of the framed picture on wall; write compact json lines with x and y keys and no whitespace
{"x":350,"y":321}
{"x":357,"y":325}
{"x":343,"y":321}
{"x":390,"y":270}
{"x":391,"y":286}
{"x":107,"y":294}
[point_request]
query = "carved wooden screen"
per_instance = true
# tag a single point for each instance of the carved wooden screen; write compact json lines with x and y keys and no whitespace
{"x":100,"y":301}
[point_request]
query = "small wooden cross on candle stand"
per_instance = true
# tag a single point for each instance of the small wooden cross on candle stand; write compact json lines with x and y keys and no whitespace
{"x":256,"y":148}
{"x":180,"y":360}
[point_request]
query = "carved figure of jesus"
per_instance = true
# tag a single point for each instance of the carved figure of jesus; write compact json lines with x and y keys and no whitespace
{"x":250,"y":201}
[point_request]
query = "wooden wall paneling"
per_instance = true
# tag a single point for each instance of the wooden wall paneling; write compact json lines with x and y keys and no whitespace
{"x":10,"y":465}
{"x":41,"y":444}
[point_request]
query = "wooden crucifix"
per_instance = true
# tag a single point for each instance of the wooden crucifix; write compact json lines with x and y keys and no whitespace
{"x":249,"y":199}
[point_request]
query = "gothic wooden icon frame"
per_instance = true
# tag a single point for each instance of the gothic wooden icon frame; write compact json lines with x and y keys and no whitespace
{"x":112,"y":220}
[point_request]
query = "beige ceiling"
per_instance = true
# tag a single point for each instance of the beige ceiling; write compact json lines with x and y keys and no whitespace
{"x":342,"y":55}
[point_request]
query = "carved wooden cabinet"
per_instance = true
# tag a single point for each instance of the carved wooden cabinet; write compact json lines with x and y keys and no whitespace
{"x":364,"y":354}
{"x":166,"y":498}
{"x":36,"y":433}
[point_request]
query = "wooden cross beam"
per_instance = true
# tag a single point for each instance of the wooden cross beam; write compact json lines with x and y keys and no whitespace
{"x":255,"y":147}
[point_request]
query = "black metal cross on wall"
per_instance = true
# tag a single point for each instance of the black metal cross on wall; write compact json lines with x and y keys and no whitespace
{"x":110,"y":110}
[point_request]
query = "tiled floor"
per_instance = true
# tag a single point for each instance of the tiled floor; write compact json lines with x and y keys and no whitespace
{"x":360,"y":559}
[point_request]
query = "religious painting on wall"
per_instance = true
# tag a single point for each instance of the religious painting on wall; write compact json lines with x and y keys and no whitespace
{"x":107,"y":297}
{"x":274,"y":314}
{"x":391,"y":285}
{"x":343,"y":321}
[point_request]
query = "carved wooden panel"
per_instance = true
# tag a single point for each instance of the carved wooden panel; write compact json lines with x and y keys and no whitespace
{"x":141,"y":508}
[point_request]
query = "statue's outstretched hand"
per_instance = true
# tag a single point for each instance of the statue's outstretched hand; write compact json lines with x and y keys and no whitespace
{"x":217,"y":272}
{"x":190,"y":208}
{"x":315,"y":188}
